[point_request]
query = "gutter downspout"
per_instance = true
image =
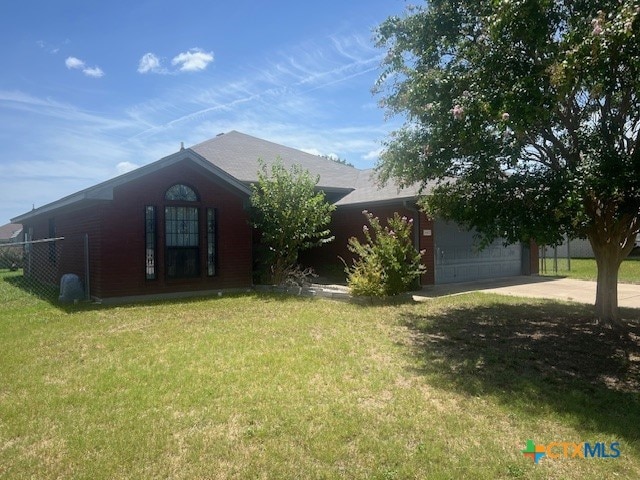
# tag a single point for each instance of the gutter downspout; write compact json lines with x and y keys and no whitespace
{"x":416,"y":224}
{"x":416,"y":228}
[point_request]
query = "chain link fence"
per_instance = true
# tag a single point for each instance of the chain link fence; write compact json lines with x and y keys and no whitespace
{"x":36,"y":266}
{"x":554,"y":260}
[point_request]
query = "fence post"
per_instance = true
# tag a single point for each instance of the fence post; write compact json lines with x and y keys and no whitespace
{"x":86,"y":267}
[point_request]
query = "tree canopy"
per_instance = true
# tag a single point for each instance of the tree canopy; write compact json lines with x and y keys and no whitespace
{"x":525,"y":114}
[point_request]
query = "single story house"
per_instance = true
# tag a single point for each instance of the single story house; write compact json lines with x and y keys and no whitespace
{"x":180,"y":224}
{"x":10,"y":233}
{"x":10,"y":255}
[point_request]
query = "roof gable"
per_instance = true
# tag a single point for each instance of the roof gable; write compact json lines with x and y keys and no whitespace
{"x":104,"y":190}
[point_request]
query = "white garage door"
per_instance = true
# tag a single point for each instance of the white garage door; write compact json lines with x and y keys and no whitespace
{"x":458,"y":259}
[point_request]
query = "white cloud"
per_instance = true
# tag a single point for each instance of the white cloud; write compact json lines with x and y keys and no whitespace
{"x":63,"y":113}
{"x":52,"y":49}
{"x":17,"y":97}
{"x":312,"y":151}
{"x":150,"y":63}
{"x":76,"y":63}
{"x":318,"y":153}
{"x":95,"y":72}
{"x":73,"y":62}
{"x":373,"y":154}
{"x":124,"y":167}
{"x":192,"y":60}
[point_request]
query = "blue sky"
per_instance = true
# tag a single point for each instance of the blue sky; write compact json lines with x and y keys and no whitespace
{"x":90,"y":90}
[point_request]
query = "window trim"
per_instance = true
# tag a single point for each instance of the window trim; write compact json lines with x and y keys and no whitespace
{"x":159,"y":250}
{"x":151,"y":241}
{"x":211,"y":234}
{"x":186,"y":190}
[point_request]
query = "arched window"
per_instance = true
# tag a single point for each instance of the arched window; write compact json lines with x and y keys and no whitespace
{"x":187,"y":227}
{"x":182,"y":241}
{"x":181,"y":193}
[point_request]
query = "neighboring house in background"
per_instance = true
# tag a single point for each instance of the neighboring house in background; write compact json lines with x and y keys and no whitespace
{"x":10,"y":256}
{"x":10,"y":233}
{"x":575,"y":248}
{"x":578,"y":248}
{"x":181,"y":224}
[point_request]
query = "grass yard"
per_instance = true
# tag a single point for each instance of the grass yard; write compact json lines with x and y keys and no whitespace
{"x":259,"y":386}
{"x":585,"y":269}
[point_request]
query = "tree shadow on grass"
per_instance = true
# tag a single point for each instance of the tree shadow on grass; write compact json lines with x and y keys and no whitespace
{"x":531,"y":356}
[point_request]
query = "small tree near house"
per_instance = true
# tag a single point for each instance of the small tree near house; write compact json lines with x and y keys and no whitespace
{"x":290,"y":216}
{"x":526,"y":115}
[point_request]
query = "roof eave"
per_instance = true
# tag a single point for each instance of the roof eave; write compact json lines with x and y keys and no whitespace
{"x":63,"y":203}
{"x":380,"y":202}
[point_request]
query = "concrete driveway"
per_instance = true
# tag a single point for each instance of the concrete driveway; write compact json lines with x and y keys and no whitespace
{"x":538,"y":287}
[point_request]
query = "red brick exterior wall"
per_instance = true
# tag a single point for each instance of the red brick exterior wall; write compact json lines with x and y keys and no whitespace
{"x":534,"y":265}
{"x":117,"y":236}
{"x":347,"y":222}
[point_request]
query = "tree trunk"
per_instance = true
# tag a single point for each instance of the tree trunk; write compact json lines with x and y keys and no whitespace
{"x":607,"y":288}
{"x":609,"y":255}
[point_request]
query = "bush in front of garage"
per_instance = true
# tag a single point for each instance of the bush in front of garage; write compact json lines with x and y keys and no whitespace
{"x":387,"y":263}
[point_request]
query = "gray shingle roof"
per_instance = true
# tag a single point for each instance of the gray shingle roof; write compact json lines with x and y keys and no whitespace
{"x":238,"y":154}
{"x":368,"y":190}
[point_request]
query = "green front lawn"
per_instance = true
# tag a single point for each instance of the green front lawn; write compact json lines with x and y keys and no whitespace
{"x":585,"y":269}
{"x":260,"y":386}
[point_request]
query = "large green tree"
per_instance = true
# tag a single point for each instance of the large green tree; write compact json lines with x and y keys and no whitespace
{"x":290,"y":216}
{"x":525,"y":115}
